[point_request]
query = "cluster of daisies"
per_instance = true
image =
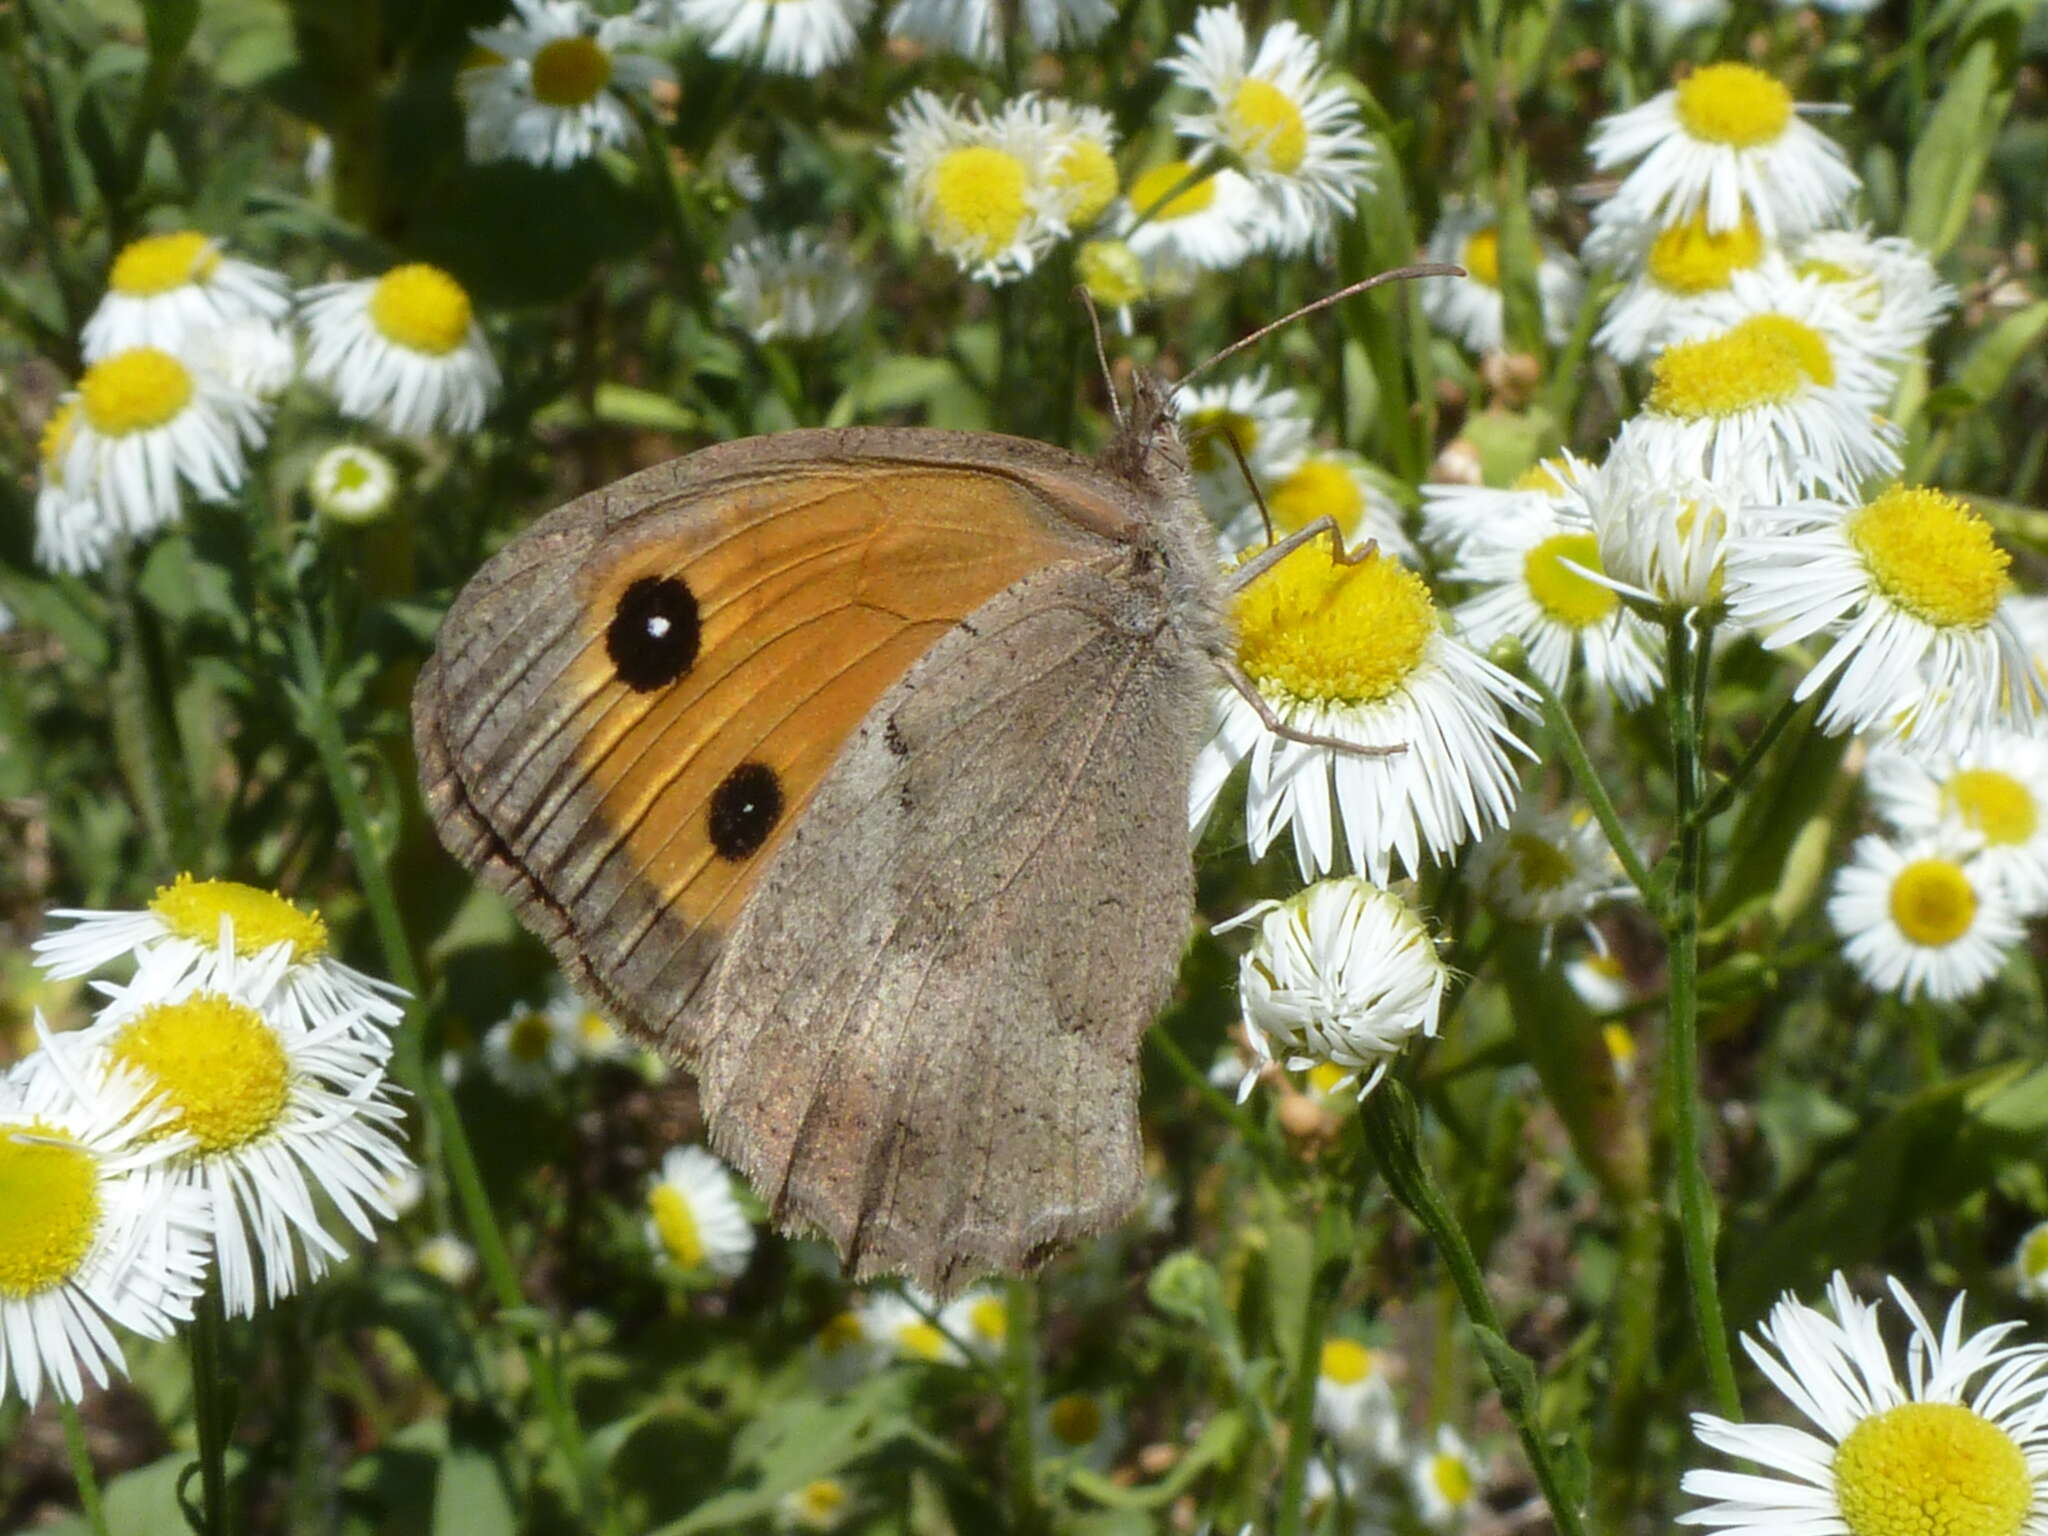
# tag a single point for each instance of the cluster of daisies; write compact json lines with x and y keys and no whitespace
{"x":186,"y":357}
{"x":226,"y":1103}
{"x":1370,"y":1472}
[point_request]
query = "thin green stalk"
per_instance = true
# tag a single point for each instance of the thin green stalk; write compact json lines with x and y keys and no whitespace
{"x":1301,"y":1396}
{"x":1621,"y":1435}
{"x":1020,"y":1392}
{"x":145,"y":731}
{"x":1244,"y":1126}
{"x":210,"y":1411}
{"x":1724,"y":795}
{"x":1392,"y":1131}
{"x":428,"y":1086}
{"x":1682,"y":1044}
{"x":1587,"y":777}
{"x":81,"y":1467}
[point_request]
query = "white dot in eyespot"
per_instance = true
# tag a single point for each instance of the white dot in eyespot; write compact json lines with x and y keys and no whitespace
{"x":657,"y":626}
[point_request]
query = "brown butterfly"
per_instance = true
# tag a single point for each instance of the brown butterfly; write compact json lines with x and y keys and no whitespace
{"x":849,"y":769}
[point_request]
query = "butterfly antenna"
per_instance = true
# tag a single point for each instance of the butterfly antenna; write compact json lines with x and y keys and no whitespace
{"x":1116,"y":407}
{"x":1392,"y":275}
{"x":1250,"y":479}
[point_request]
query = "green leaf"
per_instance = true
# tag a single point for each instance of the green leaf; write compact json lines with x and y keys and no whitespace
{"x":1513,"y":1372}
{"x":1217,"y":1444}
{"x":619,"y":405}
{"x":1999,"y":350}
{"x":1290,"y":1258}
{"x":474,"y":1495}
{"x":1948,"y":162}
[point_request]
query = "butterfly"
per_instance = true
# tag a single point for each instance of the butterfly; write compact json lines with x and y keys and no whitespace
{"x":849,"y":769}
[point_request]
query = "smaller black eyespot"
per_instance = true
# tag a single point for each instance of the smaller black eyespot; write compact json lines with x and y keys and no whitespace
{"x":744,"y":810}
{"x":654,"y":633}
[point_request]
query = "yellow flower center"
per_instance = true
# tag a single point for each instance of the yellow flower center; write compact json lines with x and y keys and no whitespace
{"x":1561,"y":592}
{"x":1808,"y":347}
{"x":676,"y":1225}
{"x":158,"y":263}
{"x":1085,"y":177}
{"x":1318,"y":488}
{"x":1545,"y":475}
{"x":1451,"y":1478}
{"x":1205,"y":430}
{"x":134,"y":391}
{"x":1621,"y":1045}
{"x":50,"y":1190}
{"x":1481,"y":257}
{"x":56,"y":436}
{"x":570,"y":71}
{"x":1264,"y":126}
{"x":2034,"y":1252}
{"x":921,"y":1340}
{"x":821,"y":1501}
{"x":841,"y":1332}
{"x":1733,"y":104}
{"x":219,"y":1067}
{"x":1764,"y":360}
{"x":1933,"y":902}
{"x":978,"y":200}
{"x":1994,"y":804}
{"x":1156,"y":183}
{"x":529,"y":1038}
{"x":192,"y":909}
{"x":1828,"y":271}
{"x":421,"y":308}
{"x":1111,"y":272}
{"x":1314,"y":630}
{"x":1931,"y":1469}
{"x":595,"y":1031}
{"x":1075,"y":1419}
{"x":1345,"y":1361}
{"x":1539,"y":864}
{"x":1932,"y":556}
{"x":1325,"y":1077}
{"x":350,"y":474}
{"x":990,"y":1318}
{"x":1690,"y":258}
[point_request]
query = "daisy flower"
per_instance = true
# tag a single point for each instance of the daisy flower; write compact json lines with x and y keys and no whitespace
{"x":1079,"y":159}
{"x":1452,"y":511}
{"x":596,"y":1039}
{"x":2030,"y":1263}
{"x":790,"y":37}
{"x":1082,"y":1428}
{"x":1268,"y":425}
{"x":1680,"y":267}
{"x":352,"y":484}
{"x":1921,"y":919}
{"x":147,"y":425}
{"x":1354,"y":1403}
{"x":1622,"y":1050}
{"x":1546,"y":867}
{"x":1343,"y":974}
{"x":1661,"y":529}
{"x":1856,"y":356}
{"x":1530,"y":570}
{"x":165,"y":288}
{"x":1179,"y":217}
{"x":902,"y":1328}
{"x":73,"y":533}
{"x":278,"y":1110}
{"x":1275,"y":113}
{"x":1326,"y":483}
{"x":447,"y":1258}
{"x":98,"y":1231}
{"x":549,"y":85}
{"x":1472,"y":308}
{"x":977,"y":186}
{"x":531,"y":1049}
{"x":1447,"y":1479}
{"x":1601,"y":982}
{"x":403,"y":350}
{"x":1960,"y":1445}
{"x":792,"y":287}
{"x":822,"y":1504}
{"x":256,"y":356}
{"x":1114,"y":277}
{"x":1887,"y":281}
{"x":1993,"y":798}
{"x":1358,"y":652}
{"x":1912,"y":586}
{"x":973,"y":28}
{"x":843,"y":1350}
{"x":204,"y":930}
{"x":694,"y":1217}
{"x":980,"y":1320}
{"x":1727,"y":137}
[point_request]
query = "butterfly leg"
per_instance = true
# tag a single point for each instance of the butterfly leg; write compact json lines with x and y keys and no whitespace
{"x":1270,"y":718}
{"x":1273,"y":554}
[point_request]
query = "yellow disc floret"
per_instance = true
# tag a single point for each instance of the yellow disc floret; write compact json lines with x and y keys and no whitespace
{"x":1481,"y":256}
{"x":1746,"y":366}
{"x":1808,"y":347}
{"x":1264,"y":126}
{"x":1315,"y":630}
{"x":676,"y":1225}
{"x":1111,"y":272}
{"x":978,"y":201}
{"x":1075,"y":1419}
{"x":50,"y":1190}
{"x":842,"y":1330}
{"x":570,"y":71}
{"x":1545,"y":475}
{"x":1933,"y":902}
{"x":1540,"y":864}
{"x":56,"y":438}
{"x":1993,"y":804}
{"x":421,"y":308}
{"x":530,"y":1037}
{"x":1932,"y":556}
{"x":1733,"y":104}
{"x":991,"y":1319}
{"x":158,"y":263}
{"x":193,"y":909}
{"x":1345,"y":1361}
{"x":1451,"y":1478}
{"x":1205,"y":431}
{"x":1153,"y":186}
{"x":134,"y":391}
{"x":921,"y":1340}
{"x":1931,"y":1469}
{"x":1317,"y":488}
{"x":1085,"y":177}
{"x":1561,"y":592}
{"x":215,"y":1062}
{"x":1689,"y":258}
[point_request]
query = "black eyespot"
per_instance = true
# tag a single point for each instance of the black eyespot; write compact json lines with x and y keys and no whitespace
{"x":744,"y":810}
{"x":654,"y":633}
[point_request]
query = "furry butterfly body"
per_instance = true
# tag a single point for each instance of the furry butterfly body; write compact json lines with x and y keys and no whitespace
{"x":849,"y":769}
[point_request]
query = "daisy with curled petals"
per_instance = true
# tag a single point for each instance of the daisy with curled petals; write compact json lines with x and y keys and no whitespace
{"x":74,"y":534}
{"x":403,"y":350}
{"x":1472,"y":308}
{"x":1452,"y":511}
{"x":278,"y":1111}
{"x":197,"y":927}
{"x":1537,"y":580}
{"x":973,"y":28}
{"x":1547,"y":867}
{"x":97,"y":1231}
{"x":1356,"y":651}
{"x":1267,"y":424}
{"x":1330,"y":483}
{"x":549,"y":86}
{"x":1912,"y":586}
{"x":976,"y":186}
{"x":1922,"y":919}
{"x":1662,"y":529}
{"x":1080,"y":157}
{"x":792,"y":287}
{"x":1342,"y":974}
{"x":164,"y":289}
{"x":1675,"y":271}
{"x":1959,"y":1447}
{"x":1179,"y":216}
{"x":789,"y":37}
{"x":1294,"y":132}
{"x":694,"y":1217}
{"x":1993,"y":798}
{"x":1728,"y":137}
{"x":149,"y":425}
{"x":1885,"y":280}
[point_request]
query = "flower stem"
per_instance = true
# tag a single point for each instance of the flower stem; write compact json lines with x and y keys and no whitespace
{"x":210,"y":1412}
{"x":1724,"y":794}
{"x":1301,"y":1394}
{"x":1020,"y":1390}
{"x":81,"y":1467}
{"x":1587,"y":777}
{"x":1686,"y":663}
{"x":1392,"y":1131}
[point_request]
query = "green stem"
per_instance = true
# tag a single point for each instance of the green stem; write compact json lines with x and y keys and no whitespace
{"x":81,"y":1467}
{"x":1587,"y":777}
{"x":209,"y":1411}
{"x":1392,"y":1131}
{"x":408,"y":1061}
{"x":1301,"y":1396}
{"x":1684,"y":663}
{"x":1625,"y":1418}
{"x":1243,"y":1125}
{"x":145,"y":731}
{"x":1746,"y":765}
{"x":1020,"y":1391}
